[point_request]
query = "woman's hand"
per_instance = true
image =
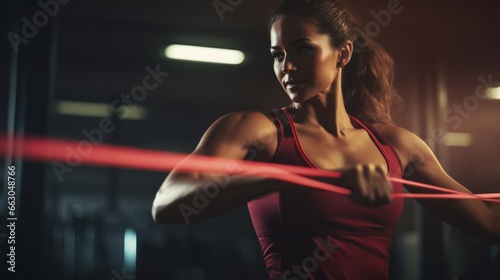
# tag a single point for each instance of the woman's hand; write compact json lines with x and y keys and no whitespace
{"x":369,"y":184}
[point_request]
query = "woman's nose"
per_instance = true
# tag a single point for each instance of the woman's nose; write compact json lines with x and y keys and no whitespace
{"x":288,"y":66}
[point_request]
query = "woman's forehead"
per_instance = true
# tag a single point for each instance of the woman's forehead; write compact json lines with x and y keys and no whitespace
{"x":288,"y":29}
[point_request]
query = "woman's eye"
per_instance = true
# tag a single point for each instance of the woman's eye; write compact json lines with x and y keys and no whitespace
{"x":304,"y":49}
{"x":277,"y":56}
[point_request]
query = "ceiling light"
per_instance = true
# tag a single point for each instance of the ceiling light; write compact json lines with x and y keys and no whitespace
{"x":99,"y":110}
{"x":457,"y":139}
{"x":493,"y":93}
{"x":204,"y":54}
{"x":84,"y":109}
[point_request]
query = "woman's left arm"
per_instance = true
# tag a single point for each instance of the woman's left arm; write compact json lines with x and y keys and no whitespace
{"x":480,"y":219}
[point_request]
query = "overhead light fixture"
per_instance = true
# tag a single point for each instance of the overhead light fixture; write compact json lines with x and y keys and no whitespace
{"x":493,"y":93}
{"x":204,"y":54}
{"x":99,"y":110}
{"x":458,"y":139}
{"x":83,"y":109}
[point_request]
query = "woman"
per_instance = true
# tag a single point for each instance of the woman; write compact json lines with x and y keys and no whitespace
{"x":341,"y":99}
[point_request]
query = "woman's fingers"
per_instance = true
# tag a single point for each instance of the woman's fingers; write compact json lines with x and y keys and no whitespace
{"x":369,"y":185}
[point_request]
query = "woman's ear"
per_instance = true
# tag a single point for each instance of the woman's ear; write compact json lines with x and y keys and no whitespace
{"x":345,"y":53}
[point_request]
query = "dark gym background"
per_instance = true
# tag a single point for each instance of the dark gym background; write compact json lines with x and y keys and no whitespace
{"x":95,"y":222}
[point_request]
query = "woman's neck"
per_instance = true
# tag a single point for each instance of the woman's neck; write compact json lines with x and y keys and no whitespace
{"x":325,"y":109}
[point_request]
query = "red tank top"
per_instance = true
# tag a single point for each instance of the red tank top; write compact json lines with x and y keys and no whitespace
{"x":313,"y":234}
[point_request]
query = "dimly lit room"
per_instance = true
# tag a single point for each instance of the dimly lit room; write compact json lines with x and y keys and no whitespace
{"x":100,"y":100}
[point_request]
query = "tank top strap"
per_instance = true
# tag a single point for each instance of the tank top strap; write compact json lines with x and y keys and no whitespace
{"x":281,"y":121}
{"x":375,"y":135}
{"x":379,"y":139}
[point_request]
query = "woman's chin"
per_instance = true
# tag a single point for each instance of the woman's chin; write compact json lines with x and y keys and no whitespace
{"x":299,"y":98}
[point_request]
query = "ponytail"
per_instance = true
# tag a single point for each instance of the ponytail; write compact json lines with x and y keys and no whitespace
{"x":367,"y":83}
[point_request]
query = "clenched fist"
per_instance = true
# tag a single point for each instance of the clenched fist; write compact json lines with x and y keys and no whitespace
{"x":369,"y":184}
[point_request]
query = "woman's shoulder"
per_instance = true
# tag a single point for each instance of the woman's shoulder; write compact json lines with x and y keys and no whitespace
{"x":403,"y":141}
{"x":249,"y":119}
{"x":235,"y":132}
{"x":393,"y":133}
{"x":243,"y":125}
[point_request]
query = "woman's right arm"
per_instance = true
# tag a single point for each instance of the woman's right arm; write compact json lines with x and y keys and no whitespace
{"x":191,"y":197}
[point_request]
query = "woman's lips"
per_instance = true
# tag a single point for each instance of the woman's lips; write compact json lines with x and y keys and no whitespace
{"x":292,"y":83}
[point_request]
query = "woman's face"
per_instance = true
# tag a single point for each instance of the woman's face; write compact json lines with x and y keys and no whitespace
{"x":305,"y":64}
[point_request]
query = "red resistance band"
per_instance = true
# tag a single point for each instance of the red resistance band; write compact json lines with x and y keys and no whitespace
{"x":72,"y":153}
